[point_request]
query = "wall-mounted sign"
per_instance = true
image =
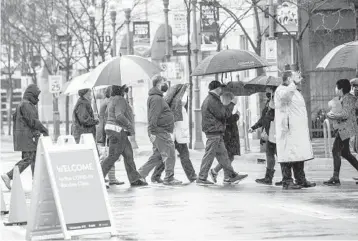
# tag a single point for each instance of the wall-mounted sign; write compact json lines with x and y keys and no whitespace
{"x":179,"y":31}
{"x":209,"y":17}
{"x":287,"y":16}
{"x":141,"y":37}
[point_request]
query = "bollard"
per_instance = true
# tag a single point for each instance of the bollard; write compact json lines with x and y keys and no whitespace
{"x":248,"y":122}
{"x":327,"y":138}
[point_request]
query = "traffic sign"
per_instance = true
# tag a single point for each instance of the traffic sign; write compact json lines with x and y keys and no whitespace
{"x":55,"y":83}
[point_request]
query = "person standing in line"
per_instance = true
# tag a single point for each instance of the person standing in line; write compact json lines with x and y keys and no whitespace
{"x":101,"y":134}
{"x":267,"y":122}
{"x":231,"y":137}
{"x":160,"y":132}
{"x":27,"y":129}
{"x":119,"y":126}
{"x":83,"y":117}
{"x":214,"y":116}
{"x":177,"y":100}
{"x":346,"y":128}
{"x":292,"y":133}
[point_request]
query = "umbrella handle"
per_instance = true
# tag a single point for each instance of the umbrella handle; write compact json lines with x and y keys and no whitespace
{"x":95,"y":102}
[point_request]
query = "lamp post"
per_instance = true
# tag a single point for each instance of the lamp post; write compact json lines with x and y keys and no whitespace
{"x":198,"y":144}
{"x":92,"y":14}
{"x":128,"y":5}
{"x":167,"y":43}
{"x":56,"y":113}
{"x":113,"y":9}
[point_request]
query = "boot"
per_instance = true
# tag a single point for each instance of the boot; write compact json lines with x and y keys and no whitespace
{"x":290,"y":186}
{"x":267,"y":180}
{"x":333,"y":181}
{"x":278,"y":183}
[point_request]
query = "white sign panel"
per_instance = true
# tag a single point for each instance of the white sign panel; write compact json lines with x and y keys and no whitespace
{"x":169,"y":70}
{"x":271,"y":50}
{"x":179,"y":23}
{"x":55,"y":83}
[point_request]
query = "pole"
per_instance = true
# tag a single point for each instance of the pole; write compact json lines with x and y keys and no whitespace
{"x":114,"y":42}
{"x":92,"y":41}
{"x":198,"y":144}
{"x":167,"y":43}
{"x":56,"y":113}
{"x":130,"y":92}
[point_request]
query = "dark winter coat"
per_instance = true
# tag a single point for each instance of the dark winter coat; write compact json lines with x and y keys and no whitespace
{"x":174,"y":100}
{"x":231,"y":137}
{"x":27,"y":126}
{"x":103,"y":113}
{"x":267,"y":116}
{"x":83,"y":119}
{"x":160,"y":116}
{"x":214,"y":115}
{"x":120,"y":113}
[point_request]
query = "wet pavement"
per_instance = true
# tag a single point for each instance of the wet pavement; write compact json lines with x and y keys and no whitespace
{"x":228,"y":212}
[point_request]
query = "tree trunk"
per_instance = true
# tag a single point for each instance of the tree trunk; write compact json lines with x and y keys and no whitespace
{"x":190,"y":95}
{"x":67,"y":104}
{"x":9,"y":100}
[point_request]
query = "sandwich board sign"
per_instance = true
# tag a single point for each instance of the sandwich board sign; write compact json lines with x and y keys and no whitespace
{"x":69,"y":197}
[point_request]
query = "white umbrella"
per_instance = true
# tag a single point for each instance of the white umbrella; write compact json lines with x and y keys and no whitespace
{"x":122,"y":70}
{"x":115,"y":71}
{"x":77,"y":84}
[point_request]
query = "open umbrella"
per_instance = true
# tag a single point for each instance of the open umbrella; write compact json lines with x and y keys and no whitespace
{"x":121,"y":70}
{"x":238,"y":89}
{"x":77,"y":83}
{"x":260,"y":83}
{"x":115,"y":71}
{"x":229,"y":60}
{"x":344,"y":56}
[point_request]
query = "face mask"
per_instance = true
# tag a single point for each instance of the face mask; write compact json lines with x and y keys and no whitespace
{"x":164,"y":88}
{"x":36,"y":99}
{"x":268,"y":95}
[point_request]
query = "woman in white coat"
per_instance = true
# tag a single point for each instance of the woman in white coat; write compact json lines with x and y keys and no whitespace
{"x":292,"y":133}
{"x":177,"y":99}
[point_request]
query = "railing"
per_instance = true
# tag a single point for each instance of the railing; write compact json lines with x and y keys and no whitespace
{"x":327,"y":138}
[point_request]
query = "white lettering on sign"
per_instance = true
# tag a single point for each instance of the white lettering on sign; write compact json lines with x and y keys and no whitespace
{"x":75,"y":168}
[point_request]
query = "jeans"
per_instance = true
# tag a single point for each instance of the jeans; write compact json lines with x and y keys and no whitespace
{"x":271,"y":151}
{"x":163,"y":151}
{"x":298,"y":172}
{"x":120,"y":145}
{"x":215,"y":147}
{"x":185,"y":162}
{"x":341,"y":148}
{"x":28,"y":158}
{"x":218,"y":167}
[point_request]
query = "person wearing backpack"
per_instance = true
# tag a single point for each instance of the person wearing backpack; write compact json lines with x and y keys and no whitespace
{"x":27,"y":129}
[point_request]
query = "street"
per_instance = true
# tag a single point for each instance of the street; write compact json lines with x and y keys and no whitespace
{"x":244,"y":211}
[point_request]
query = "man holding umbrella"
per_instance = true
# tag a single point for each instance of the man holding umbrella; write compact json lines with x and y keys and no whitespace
{"x":214,"y":116}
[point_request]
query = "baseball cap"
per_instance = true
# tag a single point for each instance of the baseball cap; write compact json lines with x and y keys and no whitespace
{"x":215,"y":84}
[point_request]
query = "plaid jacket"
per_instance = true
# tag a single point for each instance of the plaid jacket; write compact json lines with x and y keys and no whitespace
{"x":347,"y":120}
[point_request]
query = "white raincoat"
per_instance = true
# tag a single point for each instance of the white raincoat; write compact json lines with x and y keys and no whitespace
{"x":292,"y":132}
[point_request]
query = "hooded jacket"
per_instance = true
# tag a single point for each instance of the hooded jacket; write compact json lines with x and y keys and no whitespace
{"x":83,"y":119}
{"x":160,"y":116}
{"x":27,"y":126}
{"x":120,"y":113}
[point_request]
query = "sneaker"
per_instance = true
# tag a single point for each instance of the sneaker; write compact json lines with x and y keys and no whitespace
{"x":334,"y":181}
{"x":172,"y":182}
{"x":107,"y":187}
{"x":236,"y":179}
{"x":157,"y":180}
{"x":139,"y":183}
{"x":204,"y":182}
{"x":307,"y":184}
{"x":291,"y":186}
{"x":193,"y":179}
{"x":115,"y":182}
{"x":7,"y":181}
{"x":278,"y":183}
{"x":213,"y":175}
